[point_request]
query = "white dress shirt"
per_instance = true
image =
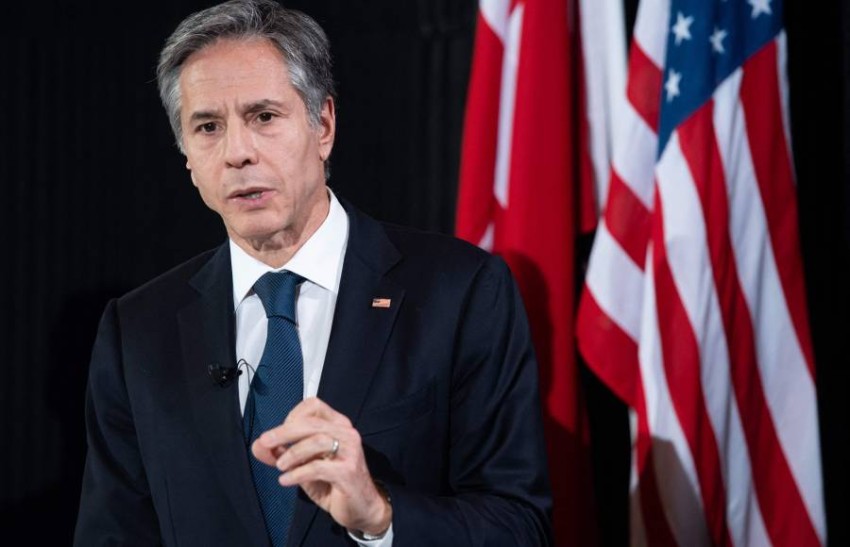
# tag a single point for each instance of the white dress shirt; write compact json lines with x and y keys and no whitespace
{"x":319,"y":261}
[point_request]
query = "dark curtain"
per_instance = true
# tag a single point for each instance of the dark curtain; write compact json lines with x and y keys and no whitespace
{"x":96,"y":200}
{"x":817,"y":55}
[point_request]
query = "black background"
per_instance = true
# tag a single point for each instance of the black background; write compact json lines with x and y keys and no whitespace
{"x":96,"y":200}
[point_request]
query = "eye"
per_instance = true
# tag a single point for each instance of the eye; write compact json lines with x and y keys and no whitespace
{"x":208,"y":127}
{"x":265,"y":117}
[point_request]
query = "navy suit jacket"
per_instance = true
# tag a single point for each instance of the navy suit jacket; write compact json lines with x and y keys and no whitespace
{"x":442,"y":387}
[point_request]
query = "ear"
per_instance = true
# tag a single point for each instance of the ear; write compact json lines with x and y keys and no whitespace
{"x":191,"y":174}
{"x":327,"y":128}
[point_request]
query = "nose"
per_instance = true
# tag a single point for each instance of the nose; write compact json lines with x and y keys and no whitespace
{"x":239,"y":147}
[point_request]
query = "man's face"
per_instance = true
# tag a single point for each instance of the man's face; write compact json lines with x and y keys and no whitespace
{"x":253,"y":154}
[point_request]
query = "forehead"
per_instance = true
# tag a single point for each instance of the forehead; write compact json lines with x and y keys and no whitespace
{"x":234,"y":70}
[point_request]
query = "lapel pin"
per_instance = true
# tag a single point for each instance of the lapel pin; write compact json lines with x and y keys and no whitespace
{"x":381,"y":302}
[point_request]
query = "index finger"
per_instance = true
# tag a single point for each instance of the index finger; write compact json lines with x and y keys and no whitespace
{"x":268,"y":454}
{"x":313,"y":406}
{"x":296,"y":429}
{"x":309,"y":417}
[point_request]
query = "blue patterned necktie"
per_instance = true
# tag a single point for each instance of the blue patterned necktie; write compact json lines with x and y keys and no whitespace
{"x":278,"y":386}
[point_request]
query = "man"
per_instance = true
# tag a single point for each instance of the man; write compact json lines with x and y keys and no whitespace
{"x":420,"y":421}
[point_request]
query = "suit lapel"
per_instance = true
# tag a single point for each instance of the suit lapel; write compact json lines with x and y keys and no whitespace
{"x":206,"y":335}
{"x":359,"y":333}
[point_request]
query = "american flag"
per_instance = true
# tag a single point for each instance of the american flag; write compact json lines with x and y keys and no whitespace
{"x":694,"y":308}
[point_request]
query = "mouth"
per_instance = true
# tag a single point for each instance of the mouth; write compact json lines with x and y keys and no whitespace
{"x":251,"y":194}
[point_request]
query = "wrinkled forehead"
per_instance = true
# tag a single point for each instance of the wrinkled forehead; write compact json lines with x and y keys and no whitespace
{"x":226,"y":49}
{"x":234,"y":70}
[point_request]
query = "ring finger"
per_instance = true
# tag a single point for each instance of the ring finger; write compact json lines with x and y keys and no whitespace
{"x":320,"y":445}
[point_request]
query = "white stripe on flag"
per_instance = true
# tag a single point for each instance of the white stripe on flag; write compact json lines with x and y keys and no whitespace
{"x":789,"y":389}
{"x":652,"y":14}
{"x":495,"y":12}
{"x":781,"y":63}
{"x":603,"y":39}
{"x":634,"y":153}
{"x":612,"y":273}
{"x":507,"y":103}
{"x":684,"y":227}
{"x":671,"y":456}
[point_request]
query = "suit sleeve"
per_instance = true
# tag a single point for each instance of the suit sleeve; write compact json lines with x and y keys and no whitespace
{"x":500,"y":493}
{"x":115,"y":506}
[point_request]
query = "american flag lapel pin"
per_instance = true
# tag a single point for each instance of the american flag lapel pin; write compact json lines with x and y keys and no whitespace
{"x":381,"y":302}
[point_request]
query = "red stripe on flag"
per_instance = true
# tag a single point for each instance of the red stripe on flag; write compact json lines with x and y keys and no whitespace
{"x":476,"y":203}
{"x":681,"y":358}
{"x":610,"y":352}
{"x":627,"y":219}
{"x":771,"y":159}
{"x":644,"y":86}
{"x":782,"y":507}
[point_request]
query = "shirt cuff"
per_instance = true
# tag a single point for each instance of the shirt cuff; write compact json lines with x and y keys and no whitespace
{"x":385,"y":541}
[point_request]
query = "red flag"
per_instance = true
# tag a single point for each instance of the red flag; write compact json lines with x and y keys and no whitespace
{"x":519,"y":198}
{"x":694,"y":306}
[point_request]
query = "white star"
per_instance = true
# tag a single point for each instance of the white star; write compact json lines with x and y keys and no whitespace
{"x":716,"y":40}
{"x":682,"y":28}
{"x":672,"y":85}
{"x":759,"y":7}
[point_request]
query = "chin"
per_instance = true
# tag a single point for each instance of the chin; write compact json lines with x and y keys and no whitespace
{"x":259,"y":234}
{"x":249,"y":231}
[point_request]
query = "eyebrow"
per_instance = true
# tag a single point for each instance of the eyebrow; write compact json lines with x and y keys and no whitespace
{"x":203,"y":115}
{"x":253,"y":108}
{"x":250,"y":108}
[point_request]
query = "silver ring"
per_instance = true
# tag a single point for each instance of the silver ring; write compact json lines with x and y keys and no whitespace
{"x":333,"y":451}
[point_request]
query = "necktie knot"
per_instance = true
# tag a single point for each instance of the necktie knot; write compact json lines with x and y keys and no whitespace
{"x":277,"y":293}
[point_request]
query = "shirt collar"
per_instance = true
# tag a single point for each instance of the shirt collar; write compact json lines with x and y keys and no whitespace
{"x":319,"y":260}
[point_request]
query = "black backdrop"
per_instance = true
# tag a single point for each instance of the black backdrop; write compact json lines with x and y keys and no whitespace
{"x":95,"y":200}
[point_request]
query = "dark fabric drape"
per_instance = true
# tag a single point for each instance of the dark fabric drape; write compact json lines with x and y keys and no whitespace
{"x":402,"y":69}
{"x":96,"y":200}
{"x":818,"y":91}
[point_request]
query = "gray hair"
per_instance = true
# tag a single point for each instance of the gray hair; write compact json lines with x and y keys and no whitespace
{"x":300,"y":40}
